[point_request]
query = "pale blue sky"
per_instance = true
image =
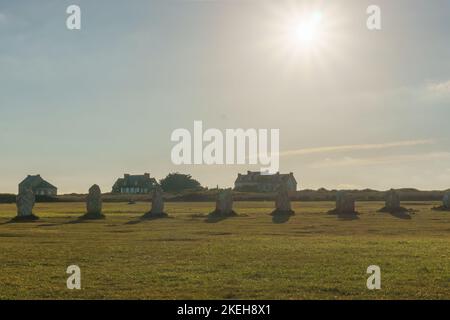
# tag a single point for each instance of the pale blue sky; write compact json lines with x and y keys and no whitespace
{"x":83,"y":107}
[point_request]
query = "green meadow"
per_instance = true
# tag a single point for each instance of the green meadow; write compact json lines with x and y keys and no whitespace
{"x":310,"y":256}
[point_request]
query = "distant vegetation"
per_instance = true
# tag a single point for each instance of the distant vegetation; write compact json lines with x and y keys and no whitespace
{"x":178,"y":182}
{"x":7,"y":198}
{"x":313,"y":195}
{"x":199,"y":194}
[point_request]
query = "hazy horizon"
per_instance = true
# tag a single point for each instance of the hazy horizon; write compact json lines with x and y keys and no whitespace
{"x":358,"y":109}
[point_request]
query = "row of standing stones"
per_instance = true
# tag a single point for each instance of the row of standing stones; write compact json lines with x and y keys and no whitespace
{"x":345,"y":205}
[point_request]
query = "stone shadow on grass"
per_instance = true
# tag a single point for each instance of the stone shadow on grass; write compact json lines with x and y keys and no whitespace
{"x":83,"y":219}
{"x":92,"y":216}
{"x":154,"y":216}
{"x":147,"y":218}
{"x":399,"y":213}
{"x":345,"y":216}
{"x":132,"y":222}
{"x":27,"y":219}
{"x":87,"y":218}
{"x":280,"y":218}
{"x":50,"y":225}
{"x":76,"y":221}
{"x":217,"y":216}
{"x":441,"y":208}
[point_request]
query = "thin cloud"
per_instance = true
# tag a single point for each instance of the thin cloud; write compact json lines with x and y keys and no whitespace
{"x":349,"y":161}
{"x":353,"y":147}
{"x":439,"y":88}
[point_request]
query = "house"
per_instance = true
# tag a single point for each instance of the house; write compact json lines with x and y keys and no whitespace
{"x":134,"y":184}
{"x":39,"y":186}
{"x":257,"y":182}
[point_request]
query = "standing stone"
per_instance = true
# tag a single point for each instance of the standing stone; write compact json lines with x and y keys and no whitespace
{"x":392,"y":200}
{"x":224,"y":204}
{"x":446,"y":201}
{"x":94,"y":203}
{"x":392,"y":203}
{"x":25,"y":203}
{"x":157,"y":210}
{"x":282,"y":202}
{"x":345,"y":204}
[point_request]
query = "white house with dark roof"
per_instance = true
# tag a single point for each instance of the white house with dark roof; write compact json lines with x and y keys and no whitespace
{"x":135,"y":184}
{"x":258,"y":182}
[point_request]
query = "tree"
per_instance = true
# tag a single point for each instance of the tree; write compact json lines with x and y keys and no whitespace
{"x":177,"y":182}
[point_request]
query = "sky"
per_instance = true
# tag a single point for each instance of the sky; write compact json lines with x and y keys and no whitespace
{"x":356,"y":108}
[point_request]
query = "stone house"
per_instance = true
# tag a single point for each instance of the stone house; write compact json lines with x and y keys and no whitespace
{"x":134,"y":184}
{"x":257,"y":182}
{"x":39,"y":186}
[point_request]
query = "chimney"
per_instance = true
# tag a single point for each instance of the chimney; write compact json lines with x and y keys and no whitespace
{"x":147,"y":175}
{"x":126,"y":175}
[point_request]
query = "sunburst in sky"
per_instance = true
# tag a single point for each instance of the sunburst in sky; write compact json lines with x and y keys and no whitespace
{"x":309,"y":35}
{"x":307,"y":32}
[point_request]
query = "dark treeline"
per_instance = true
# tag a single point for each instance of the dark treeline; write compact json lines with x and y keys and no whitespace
{"x":316,"y":195}
{"x":211,"y":194}
{"x":7,"y":198}
{"x":11,"y":198}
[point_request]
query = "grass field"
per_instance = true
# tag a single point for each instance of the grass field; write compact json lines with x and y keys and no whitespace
{"x":311,"y":256}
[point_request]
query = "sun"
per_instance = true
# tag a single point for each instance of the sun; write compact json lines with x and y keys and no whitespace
{"x":307,"y":31}
{"x":305,"y":35}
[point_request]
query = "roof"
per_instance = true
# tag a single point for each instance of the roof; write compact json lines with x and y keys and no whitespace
{"x":36,"y":182}
{"x":143,"y":181}
{"x":257,"y":177}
